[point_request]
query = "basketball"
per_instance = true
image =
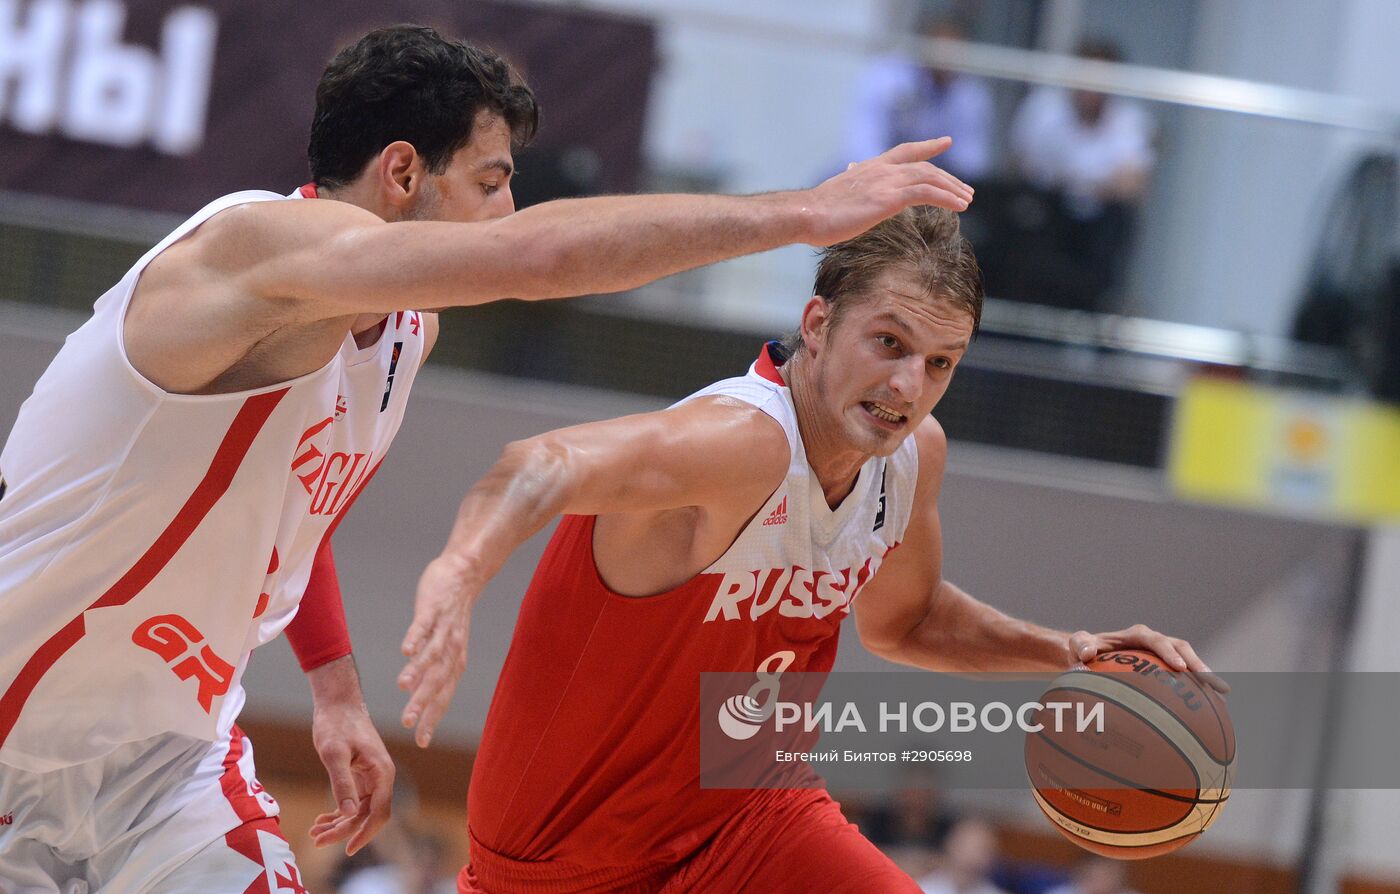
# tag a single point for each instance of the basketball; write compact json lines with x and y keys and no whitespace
{"x":1152,"y":776}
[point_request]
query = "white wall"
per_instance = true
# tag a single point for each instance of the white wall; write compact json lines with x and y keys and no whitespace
{"x":759,"y":113}
{"x":1366,"y":820}
{"x":1241,"y":194}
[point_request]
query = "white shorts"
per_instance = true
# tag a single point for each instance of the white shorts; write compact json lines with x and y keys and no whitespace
{"x":169,"y":815}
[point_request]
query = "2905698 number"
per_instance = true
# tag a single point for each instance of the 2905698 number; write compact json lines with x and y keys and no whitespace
{"x":940,"y":756}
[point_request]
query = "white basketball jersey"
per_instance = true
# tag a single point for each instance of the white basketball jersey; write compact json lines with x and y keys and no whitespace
{"x":149,"y":541}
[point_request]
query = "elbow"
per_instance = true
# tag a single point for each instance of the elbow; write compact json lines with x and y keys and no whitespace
{"x":910,"y":636}
{"x":531,"y":456}
{"x":885,"y":640}
{"x":881,"y":648}
{"x":915,"y":646}
{"x":536,"y":469}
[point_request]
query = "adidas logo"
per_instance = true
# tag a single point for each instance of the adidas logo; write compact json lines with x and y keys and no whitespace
{"x":777,"y":516}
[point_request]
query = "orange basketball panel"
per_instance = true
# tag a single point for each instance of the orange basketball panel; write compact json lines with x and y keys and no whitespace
{"x":1108,"y":806}
{"x":1129,"y":750}
{"x":1199,"y":707}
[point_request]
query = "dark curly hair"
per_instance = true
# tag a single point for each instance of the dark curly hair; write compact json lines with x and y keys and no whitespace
{"x":408,"y":82}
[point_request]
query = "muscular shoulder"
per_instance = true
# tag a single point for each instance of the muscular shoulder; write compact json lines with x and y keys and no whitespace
{"x":682,"y":484}
{"x":234,"y":256}
{"x":740,"y":445}
{"x":203,"y":304}
{"x":932,"y":442}
{"x":250,"y":239}
{"x":735,"y":415}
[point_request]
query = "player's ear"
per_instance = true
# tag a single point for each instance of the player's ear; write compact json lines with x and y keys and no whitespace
{"x":816,"y":322}
{"x":400,"y":173}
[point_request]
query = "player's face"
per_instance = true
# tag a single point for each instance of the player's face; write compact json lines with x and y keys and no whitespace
{"x":476,"y":184}
{"x":888,"y":359}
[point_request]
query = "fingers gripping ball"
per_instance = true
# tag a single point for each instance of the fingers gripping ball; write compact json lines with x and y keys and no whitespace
{"x":1152,"y":776}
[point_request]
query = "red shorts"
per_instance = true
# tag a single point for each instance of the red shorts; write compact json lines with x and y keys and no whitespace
{"x":790,"y":840}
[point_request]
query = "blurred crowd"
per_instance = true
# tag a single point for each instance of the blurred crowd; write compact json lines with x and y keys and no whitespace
{"x":952,"y":853}
{"x":945,"y":855}
{"x":947,"y":851}
{"x":403,"y":859}
{"x":1058,"y":185}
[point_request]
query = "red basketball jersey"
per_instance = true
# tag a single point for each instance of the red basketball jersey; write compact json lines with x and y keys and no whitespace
{"x":590,"y":754}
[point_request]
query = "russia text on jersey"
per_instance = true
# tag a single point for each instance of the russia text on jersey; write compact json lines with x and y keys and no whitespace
{"x":795,"y":592}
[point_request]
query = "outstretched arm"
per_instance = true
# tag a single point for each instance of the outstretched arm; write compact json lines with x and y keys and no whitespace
{"x":909,"y":614}
{"x":319,"y":260}
{"x":291,"y":276}
{"x":649,"y":462}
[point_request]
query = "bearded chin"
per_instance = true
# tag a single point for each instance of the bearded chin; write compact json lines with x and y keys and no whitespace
{"x":426,"y":205}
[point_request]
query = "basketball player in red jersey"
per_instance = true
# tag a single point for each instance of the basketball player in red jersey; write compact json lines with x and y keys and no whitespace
{"x":731,"y":532}
{"x":187,"y":455}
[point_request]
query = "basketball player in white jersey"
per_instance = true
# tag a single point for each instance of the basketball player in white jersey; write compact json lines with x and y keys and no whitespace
{"x":170,"y":488}
{"x":731,"y":532}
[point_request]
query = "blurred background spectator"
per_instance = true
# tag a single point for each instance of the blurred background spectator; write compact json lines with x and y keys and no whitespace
{"x":1093,"y":149}
{"x":965,"y":862}
{"x":1351,"y":300}
{"x":913,"y":817}
{"x":1058,"y":231}
{"x":402,"y":860}
{"x":1097,"y":875}
{"x":899,"y":101}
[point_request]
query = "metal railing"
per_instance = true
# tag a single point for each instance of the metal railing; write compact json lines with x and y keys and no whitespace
{"x":1174,"y":86}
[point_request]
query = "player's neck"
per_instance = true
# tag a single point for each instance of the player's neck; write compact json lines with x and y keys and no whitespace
{"x":365,"y":328}
{"x":834,"y":462}
{"x":361,"y":194}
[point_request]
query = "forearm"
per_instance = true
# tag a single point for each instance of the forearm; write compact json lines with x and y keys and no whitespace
{"x":615,"y":243}
{"x":524,"y":490}
{"x":345,"y":263}
{"x":962,"y":635}
{"x":336,"y":683}
{"x":318,"y":261}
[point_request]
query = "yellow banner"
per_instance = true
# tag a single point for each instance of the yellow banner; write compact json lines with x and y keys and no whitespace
{"x":1295,"y":451}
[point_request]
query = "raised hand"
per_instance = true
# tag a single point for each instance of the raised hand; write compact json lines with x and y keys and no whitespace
{"x":867,"y":192}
